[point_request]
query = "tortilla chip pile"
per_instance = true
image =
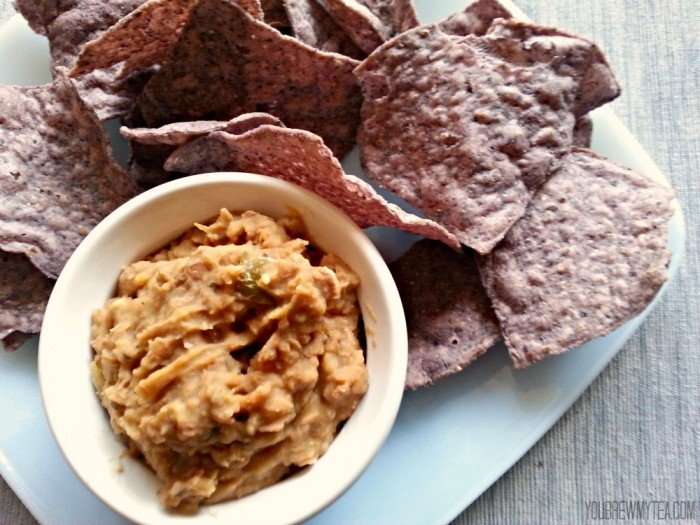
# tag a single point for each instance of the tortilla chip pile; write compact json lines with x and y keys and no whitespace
{"x":473,"y":149}
{"x":57,"y":181}
{"x":477,"y":122}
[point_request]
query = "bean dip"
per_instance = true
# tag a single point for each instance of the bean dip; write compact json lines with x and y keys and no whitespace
{"x":229,"y":358}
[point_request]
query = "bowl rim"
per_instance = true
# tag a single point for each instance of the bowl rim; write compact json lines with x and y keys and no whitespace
{"x":117,"y":219}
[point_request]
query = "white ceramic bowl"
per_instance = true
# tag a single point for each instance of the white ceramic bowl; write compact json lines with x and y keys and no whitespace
{"x":140,"y":226}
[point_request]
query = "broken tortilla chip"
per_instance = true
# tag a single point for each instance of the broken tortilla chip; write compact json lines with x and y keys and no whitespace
{"x":180,"y":133}
{"x":38,"y":13}
{"x":55,"y":155}
{"x":144,"y":37}
{"x":150,"y":147}
{"x":109,"y":92}
{"x":276,"y":16}
{"x":466,"y":128}
{"x":24,"y":292}
{"x":583,"y":132}
{"x":476,"y":19}
{"x":83,"y":21}
{"x":589,"y":254}
{"x":450,"y":320}
{"x":302,"y":158}
{"x":226,"y":64}
{"x":370,"y":23}
{"x":312,"y":25}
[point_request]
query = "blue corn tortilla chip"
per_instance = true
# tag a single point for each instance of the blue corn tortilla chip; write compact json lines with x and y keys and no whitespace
{"x":589,"y":254}
{"x":476,"y":19}
{"x":226,"y":63}
{"x":302,"y":158}
{"x":311,"y":24}
{"x":449,"y":316}
{"x":150,"y":147}
{"x":78,"y":23}
{"x":466,"y":128}
{"x":180,"y":133}
{"x":144,"y":37}
{"x":57,"y":175}
{"x":139,"y":40}
{"x":109,"y":92}
{"x":370,"y":23}
{"x":24,"y":292}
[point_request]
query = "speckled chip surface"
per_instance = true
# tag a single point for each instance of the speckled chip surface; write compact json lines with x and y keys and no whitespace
{"x":275,"y":16}
{"x":139,"y":40}
{"x":226,"y":64}
{"x":370,"y":23}
{"x":107,"y":91}
{"x":311,"y":24}
{"x":589,"y":254}
{"x":81,"y":21}
{"x":466,"y":128}
{"x":583,"y":132}
{"x":57,"y":176}
{"x":144,"y":37}
{"x":24,"y":292}
{"x":475,"y":19}
{"x":150,"y":147}
{"x":180,"y":133}
{"x":38,"y":13}
{"x":302,"y":158}
{"x":449,"y":317}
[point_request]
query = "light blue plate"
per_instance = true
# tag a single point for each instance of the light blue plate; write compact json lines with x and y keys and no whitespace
{"x":450,"y":441}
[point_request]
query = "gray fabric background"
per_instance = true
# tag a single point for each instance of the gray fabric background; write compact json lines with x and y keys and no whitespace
{"x":635,"y":433}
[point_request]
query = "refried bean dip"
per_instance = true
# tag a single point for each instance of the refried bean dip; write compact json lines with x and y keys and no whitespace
{"x":229,"y":358}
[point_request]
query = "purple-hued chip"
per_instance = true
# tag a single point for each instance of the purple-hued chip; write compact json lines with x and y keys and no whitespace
{"x":300,"y":157}
{"x":589,"y":254}
{"x":476,"y":19}
{"x":109,"y":92}
{"x":466,"y":128}
{"x":311,"y":24}
{"x":370,"y":23}
{"x":226,"y":63}
{"x":449,"y":317}
{"x":143,"y":38}
{"x":57,"y":175}
{"x":150,"y":147}
{"x":24,"y":292}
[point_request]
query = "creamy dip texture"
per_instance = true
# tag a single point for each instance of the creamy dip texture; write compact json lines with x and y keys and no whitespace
{"x":230,"y":357}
